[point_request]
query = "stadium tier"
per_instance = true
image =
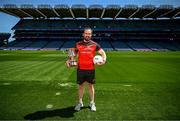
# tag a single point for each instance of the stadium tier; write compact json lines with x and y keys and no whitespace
{"x":111,"y":25}
{"x":61,"y":26}
{"x":4,"y":37}
{"x":138,"y":35}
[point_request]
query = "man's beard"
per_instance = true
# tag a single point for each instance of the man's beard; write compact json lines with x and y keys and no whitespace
{"x":87,"y":39}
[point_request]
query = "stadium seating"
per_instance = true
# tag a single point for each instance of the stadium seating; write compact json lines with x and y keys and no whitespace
{"x":4,"y":39}
{"x":68,"y":44}
{"x":154,"y":46}
{"x":168,"y":45}
{"x":137,"y":35}
{"x":120,"y":45}
{"x":137,"y":46}
{"x":105,"y":44}
{"x":123,"y":25}
{"x":176,"y":44}
{"x":36,"y":45}
{"x":23,"y":43}
{"x":53,"y":45}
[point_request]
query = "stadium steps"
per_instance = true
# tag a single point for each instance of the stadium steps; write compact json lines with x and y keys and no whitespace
{"x":129,"y":46}
{"x":53,"y":44}
{"x":146,"y":46}
{"x":163,"y":46}
{"x":112,"y":45}
{"x":27,"y":45}
{"x":137,"y":46}
{"x":62,"y":45}
{"x":169,"y":45}
{"x":12,"y":43}
{"x":174,"y":47}
{"x":45,"y":45}
{"x":30,"y":44}
{"x":153,"y":45}
{"x":120,"y":45}
{"x":176,"y":44}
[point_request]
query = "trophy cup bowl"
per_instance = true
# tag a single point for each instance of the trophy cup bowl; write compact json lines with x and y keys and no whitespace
{"x":72,"y":54}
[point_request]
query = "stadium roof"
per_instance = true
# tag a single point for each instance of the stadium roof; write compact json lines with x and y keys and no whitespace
{"x":93,"y":11}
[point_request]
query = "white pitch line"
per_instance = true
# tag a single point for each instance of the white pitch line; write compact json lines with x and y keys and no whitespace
{"x":6,"y":83}
{"x":58,"y":93}
{"x":49,"y":106}
{"x":127,"y":85}
{"x":65,"y":84}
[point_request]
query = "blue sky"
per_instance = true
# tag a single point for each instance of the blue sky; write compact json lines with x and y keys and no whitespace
{"x":7,"y":21}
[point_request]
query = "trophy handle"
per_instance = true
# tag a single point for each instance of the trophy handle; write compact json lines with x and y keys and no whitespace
{"x":72,"y":54}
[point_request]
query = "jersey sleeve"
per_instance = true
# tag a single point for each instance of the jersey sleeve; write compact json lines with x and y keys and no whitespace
{"x":98,"y":47}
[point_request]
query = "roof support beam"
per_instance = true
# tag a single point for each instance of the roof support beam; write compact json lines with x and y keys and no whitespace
{"x":87,"y":13}
{"x":10,"y":13}
{"x":118,"y":13}
{"x":102,"y":13}
{"x":176,"y":14}
{"x":149,"y":13}
{"x":98,"y":11}
{"x":25,"y":13}
{"x":72,"y":14}
{"x":55,"y":12}
{"x":41,"y":13}
{"x":166,"y":13}
{"x":134,"y":13}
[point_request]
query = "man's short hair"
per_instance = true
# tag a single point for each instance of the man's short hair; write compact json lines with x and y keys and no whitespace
{"x":88,"y":28}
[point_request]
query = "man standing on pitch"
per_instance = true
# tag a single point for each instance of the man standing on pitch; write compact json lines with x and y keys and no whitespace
{"x":85,"y":50}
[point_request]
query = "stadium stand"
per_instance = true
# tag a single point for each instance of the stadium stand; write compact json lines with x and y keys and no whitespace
{"x":137,"y":46}
{"x":105,"y":44}
{"x":4,"y":39}
{"x":68,"y":44}
{"x":176,"y":44}
{"x":167,"y":45}
{"x":120,"y":45}
{"x":146,"y":28}
{"x":53,"y":45}
{"x":36,"y":45}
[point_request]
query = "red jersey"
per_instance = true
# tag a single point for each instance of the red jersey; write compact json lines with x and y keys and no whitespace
{"x":86,"y":52}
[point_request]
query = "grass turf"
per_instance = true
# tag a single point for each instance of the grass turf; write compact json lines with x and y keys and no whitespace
{"x":131,"y":86}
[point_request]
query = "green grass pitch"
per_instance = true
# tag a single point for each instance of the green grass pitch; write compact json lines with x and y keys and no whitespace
{"x":131,"y":86}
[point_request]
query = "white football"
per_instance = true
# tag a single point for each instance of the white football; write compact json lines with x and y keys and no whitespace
{"x":97,"y":59}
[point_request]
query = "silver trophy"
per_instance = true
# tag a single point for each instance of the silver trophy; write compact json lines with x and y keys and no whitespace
{"x":72,"y":54}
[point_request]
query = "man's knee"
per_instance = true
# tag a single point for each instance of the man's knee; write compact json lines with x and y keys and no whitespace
{"x":91,"y":86}
{"x":81,"y":86}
